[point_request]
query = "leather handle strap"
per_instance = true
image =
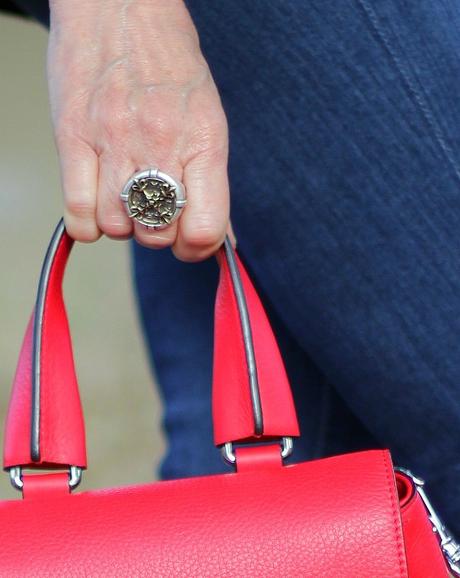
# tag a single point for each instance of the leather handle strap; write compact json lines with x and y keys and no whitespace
{"x":252,"y":399}
{"x":59,"y":242}
{"x":45,"y":425}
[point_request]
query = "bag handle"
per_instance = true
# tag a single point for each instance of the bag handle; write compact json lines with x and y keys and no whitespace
{"x":252,"y":399}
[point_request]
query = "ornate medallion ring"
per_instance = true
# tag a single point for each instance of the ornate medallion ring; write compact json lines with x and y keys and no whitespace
{"x":153,"y":198}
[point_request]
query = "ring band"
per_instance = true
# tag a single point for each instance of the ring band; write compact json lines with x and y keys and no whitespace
{"x":153,"y":198}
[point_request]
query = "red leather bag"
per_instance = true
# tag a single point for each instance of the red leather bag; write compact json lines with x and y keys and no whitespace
{"x":347,"y":516}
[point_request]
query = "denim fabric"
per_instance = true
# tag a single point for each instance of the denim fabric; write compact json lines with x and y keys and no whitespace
{"x":38,"y":9}
{"x":344,"y":169}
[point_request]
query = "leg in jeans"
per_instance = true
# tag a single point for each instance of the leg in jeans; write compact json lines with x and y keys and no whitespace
{"x":345,"y":180}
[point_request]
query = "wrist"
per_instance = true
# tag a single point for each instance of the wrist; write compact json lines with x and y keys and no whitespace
{"x":167,"y":13}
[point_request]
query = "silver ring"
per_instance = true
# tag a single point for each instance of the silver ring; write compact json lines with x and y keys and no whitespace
{"x":153,"y":198}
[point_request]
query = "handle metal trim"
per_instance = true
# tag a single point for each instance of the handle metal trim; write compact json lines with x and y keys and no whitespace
{"x":229,"y":455}
{"x":75,"y":475}
{"x":449,"y":547}
{"x":38,"y":330}
{"x":37,"y":338}
{"x":247,"y":338}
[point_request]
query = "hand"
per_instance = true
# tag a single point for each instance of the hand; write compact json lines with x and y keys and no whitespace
{"x":129,"y":90}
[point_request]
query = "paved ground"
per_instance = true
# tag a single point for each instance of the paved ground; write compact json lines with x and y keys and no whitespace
{"x":121,"y":405}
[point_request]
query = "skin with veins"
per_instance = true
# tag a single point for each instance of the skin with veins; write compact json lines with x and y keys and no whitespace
{"x":129,"y":87}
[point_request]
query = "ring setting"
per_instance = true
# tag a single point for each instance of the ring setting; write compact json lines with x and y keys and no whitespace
{"x":153,"y":198}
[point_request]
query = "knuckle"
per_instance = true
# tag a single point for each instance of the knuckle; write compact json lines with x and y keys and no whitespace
{"x":65,"y":132}
{"x":89,"y":236}
{"x":114,"y":229}
{"x":212,"y":121}
{"x":184,"y":253}
{"x":154,"y":240}
{"x":217,"y":154}
{"x":211,"y":139}
{"x":114,"y":121}
{"x":203,"y":235}
{"x":109,"y":113}
{"x":72,"y":143}
{"x":82,"y":233}
{"x":80,"y":207}
{"x":162,"y":128}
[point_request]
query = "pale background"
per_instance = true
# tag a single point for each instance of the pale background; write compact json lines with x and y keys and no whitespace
{"x":121,"y":404}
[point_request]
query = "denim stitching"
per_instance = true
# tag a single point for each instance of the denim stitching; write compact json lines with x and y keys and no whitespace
{"x":418,"y":97}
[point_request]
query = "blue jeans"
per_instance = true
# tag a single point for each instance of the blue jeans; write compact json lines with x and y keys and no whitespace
{"x":344,"y":170}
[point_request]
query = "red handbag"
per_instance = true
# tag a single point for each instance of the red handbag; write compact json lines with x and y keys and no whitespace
{"x":347,"y":516}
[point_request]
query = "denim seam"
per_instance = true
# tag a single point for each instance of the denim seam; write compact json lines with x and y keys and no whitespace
{"x":410,"y":85}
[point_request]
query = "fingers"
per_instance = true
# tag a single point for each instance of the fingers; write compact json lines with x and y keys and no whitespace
{"x":79,"y":174}
{"x":155,"y":238}
{"x":94,"y":172}
{"x":92,"y":187}
{"x":112,"y":218}
{"x":204,"y":221}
